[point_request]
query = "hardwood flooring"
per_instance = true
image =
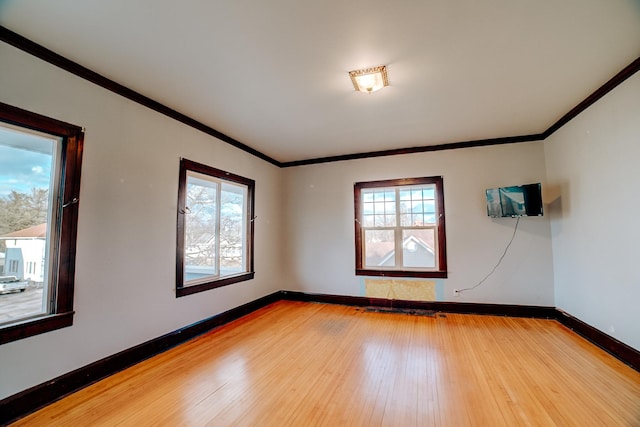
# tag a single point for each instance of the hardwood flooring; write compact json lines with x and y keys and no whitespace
{"x":305,"y":364}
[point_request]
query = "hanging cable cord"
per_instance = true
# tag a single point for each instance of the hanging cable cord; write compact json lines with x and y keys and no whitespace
{"x":515,"y":229}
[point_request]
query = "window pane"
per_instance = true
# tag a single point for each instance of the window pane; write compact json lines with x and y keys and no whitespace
{"x":367,"y":196}
{"x":417,"y":206}
{"x":379,"y":248}
{"x":429,"y":192}
{"x":368,"y":220}
{"x":27,"y":177}
{"x":232,"y":219}
{"x":200,"y":228}
{"x":418,"y":248}
{"x":390,"y":220}
{"x":368,"y":208}
{"x":429,"y":206}
{"x":382,"y":211}
{"x":390,"y":207}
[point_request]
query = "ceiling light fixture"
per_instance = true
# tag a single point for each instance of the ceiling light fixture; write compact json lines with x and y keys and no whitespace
{"x":369,"y":79}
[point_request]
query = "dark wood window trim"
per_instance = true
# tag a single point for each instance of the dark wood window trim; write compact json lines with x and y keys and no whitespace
{"x":64,"y":244}
{"x":441,"y":271}
{"x":188,"y":165}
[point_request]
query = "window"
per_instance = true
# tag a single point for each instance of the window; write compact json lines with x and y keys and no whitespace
{"x":40,"y":162}
{"x":399,"y":228}
{"x":215,"y":228}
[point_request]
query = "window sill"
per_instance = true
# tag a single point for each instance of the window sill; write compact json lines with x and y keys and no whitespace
{"x":31,"y":327}
{"x":188,"y":290}
{"x":402,"y":273}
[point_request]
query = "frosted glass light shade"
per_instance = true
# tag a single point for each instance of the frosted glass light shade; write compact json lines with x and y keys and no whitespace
{"x":370,"y":79}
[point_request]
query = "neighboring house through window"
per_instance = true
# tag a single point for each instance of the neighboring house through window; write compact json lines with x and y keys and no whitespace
{"x":400,"y":228}
{"x":26,"y":252}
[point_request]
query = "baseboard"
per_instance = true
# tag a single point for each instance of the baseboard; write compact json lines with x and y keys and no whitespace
{"x":618,"y":349}
{"x":34,"y":398}
{"x":541,"y":312}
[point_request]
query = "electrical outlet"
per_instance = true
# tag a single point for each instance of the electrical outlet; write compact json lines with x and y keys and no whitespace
{"x":456,"y":292}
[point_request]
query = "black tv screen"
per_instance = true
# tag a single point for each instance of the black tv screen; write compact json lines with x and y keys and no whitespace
{"x":518,"y":200}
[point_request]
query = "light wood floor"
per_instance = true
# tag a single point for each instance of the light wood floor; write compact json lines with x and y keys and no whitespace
{"x":302,"y":364}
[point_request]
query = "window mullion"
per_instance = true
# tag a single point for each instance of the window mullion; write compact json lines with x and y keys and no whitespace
{"x":217,"y":230}
{"x":245,"y":230}
{"x":397,"y":234}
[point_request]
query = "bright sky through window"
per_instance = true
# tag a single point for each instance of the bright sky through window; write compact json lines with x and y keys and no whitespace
{"x":25,"y":168}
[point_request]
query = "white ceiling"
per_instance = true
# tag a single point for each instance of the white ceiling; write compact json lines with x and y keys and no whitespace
{"x":273,"y":74}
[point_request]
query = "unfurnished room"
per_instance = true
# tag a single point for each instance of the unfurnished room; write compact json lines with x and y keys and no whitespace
{"x":330,"y":213}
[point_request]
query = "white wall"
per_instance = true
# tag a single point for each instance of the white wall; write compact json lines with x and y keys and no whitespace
{"x":320,"y":248}
{"x":126,"y":250}
{"x":592,"y":168}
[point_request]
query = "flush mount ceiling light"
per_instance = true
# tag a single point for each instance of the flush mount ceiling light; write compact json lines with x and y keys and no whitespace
{"x":369,"y":79}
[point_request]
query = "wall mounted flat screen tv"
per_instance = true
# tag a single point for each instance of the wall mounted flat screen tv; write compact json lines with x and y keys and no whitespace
{"x":519,"y":200}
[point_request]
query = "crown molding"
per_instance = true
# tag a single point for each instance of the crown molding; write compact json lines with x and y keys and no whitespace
{"x":53,"y":58}
{"x":41,"y":52}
